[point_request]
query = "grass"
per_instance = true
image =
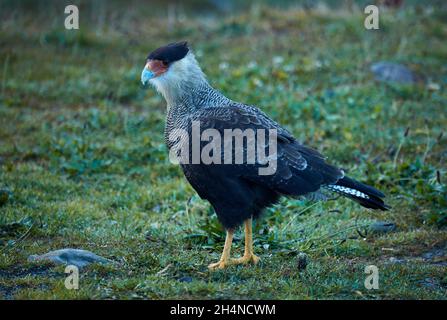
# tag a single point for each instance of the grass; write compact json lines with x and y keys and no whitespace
{"x":83,"y":162}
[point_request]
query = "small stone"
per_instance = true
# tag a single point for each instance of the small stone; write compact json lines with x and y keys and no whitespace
{"x":393,"y":72}
{"x":302,"y":261}
{"x":433,"y":86}
{"x":77,"y":257}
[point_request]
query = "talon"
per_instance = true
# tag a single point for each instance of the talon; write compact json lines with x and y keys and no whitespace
{"x":218,"y":265}
{"x":246,"y":259}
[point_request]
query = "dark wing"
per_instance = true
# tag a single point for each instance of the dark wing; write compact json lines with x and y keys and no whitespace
{"x":299,"y":170}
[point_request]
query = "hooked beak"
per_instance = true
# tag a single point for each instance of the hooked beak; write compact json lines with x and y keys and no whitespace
{"x":146,"y":75}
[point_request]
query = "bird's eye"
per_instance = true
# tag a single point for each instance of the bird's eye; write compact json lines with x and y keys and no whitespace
{"x":165,"y":63}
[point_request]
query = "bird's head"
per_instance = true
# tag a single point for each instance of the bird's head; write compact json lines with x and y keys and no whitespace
{"x":173,"y":70}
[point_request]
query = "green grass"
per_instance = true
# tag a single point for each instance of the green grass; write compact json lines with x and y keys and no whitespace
{"x":83,"y":162}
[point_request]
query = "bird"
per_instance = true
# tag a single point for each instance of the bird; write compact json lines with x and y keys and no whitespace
{"x":238,"y":191}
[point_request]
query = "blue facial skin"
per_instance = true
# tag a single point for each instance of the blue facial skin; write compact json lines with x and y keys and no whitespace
{"x":146,"y":75}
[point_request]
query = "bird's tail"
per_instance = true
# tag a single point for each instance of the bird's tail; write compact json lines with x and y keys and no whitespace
{"x":365,"y":195}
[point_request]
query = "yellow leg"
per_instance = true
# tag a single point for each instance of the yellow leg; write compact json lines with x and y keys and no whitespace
{"x":248,"y":256}
{"x":225,"y":258}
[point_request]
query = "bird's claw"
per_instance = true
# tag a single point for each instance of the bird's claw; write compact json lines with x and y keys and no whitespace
{"x":222,"y":264}
{"x":246,"y":258}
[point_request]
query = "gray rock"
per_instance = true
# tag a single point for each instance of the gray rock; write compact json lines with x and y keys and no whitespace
{"x":393,"y":72}
{"x":77,"y":257}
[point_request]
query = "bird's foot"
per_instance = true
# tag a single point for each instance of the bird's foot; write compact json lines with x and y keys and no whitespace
{"x":246,"y":259}
{"x":221,"y":264}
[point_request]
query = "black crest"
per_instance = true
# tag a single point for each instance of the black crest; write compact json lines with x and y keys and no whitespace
{"x":170,"y":53}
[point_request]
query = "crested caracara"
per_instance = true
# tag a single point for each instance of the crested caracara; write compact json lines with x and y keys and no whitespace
{"x":237,"y":190}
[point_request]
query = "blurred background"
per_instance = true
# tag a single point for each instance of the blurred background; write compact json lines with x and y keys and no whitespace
{"x":83,"y":162}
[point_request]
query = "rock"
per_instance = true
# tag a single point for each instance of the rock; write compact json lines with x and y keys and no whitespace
{"x":77,"y":257}
{"x":432,"y":86}
{"x":393,"y":72}
{"x":302,"y":261}
{"x":382,"y":227}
